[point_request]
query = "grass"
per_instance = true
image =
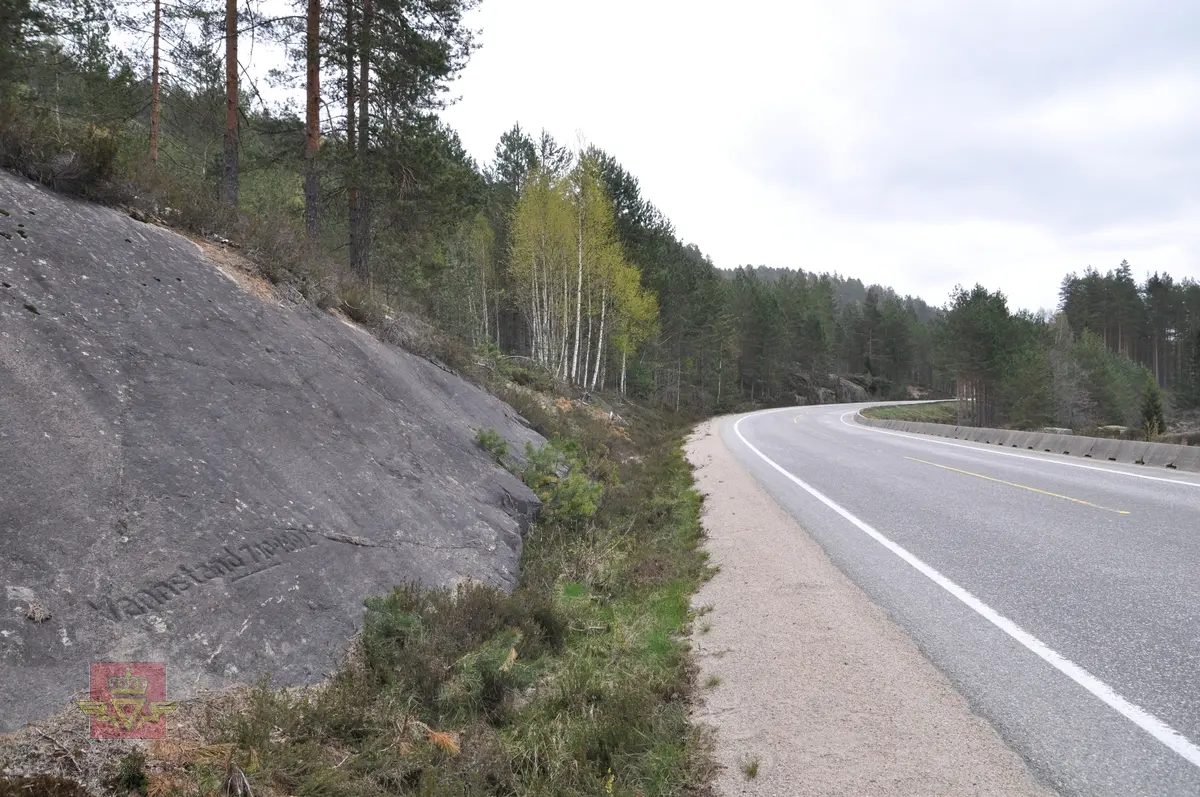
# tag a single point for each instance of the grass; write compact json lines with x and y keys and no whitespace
{"x":939,"y":412}
{"x":577,"y":683}
{"x":750,"y":768}
{"x":712,"y":682}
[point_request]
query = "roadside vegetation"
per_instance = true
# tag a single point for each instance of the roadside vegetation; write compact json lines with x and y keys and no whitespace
{"x":578,"y":683}
{"x":941,"y":412}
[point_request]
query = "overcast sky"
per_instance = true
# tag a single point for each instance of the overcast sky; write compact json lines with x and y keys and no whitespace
{"x":915,"y":143}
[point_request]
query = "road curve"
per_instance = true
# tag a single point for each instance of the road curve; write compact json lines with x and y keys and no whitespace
{"x":1060,"y":596}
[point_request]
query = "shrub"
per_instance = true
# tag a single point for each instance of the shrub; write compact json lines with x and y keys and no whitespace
{"x":67,"y":155}
{"x":1153,"y":422}
{"x":360,"y":304}
{"x":567,"y":493}
{"x":460,"y":652}
{"x":131,"y":773}
{"x":491,"y":441}
{"x":534,"y":378}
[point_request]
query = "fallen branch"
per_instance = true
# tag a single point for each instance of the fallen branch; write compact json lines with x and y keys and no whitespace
{"x":60,"y":746}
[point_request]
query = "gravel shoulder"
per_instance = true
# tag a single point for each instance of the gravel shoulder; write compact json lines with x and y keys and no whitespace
{"x":816,"y":684}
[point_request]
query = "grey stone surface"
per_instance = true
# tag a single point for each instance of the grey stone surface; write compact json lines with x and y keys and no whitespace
{"x":848,"y":392}
{"x":199,"y":476}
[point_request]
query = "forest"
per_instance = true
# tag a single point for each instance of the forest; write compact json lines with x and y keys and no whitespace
{"x":549,"y":256}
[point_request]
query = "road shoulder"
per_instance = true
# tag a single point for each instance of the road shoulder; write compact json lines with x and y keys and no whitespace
{"x":808,"y":679}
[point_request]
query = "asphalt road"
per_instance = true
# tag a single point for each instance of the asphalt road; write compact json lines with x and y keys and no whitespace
{"x":1060,"y":595}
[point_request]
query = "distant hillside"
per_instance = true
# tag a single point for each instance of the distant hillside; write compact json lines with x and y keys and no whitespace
{"x":846,"y":290}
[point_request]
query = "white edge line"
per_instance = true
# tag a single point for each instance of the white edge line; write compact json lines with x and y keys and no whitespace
{"x":985,"y":449}
{"x":1135,"y":714}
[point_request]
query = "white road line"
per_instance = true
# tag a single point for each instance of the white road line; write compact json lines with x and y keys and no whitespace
{"x":924,"y":438}
{"x":1135,"y":714}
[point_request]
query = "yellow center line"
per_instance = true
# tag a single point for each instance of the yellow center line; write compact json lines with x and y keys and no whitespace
{"x":1022,"y":486}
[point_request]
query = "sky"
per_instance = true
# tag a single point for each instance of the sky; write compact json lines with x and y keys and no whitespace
{"x":913,"y":143}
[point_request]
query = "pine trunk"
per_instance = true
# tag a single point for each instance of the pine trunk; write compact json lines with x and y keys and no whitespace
{"x":361,"y":233}
{"x":351,"y":127}
{"x":230,"y":185}
{"x":155,"y":105}
{"x":312,"y":122}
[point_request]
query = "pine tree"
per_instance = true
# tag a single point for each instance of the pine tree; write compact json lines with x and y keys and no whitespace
{"x":1187,"y":388}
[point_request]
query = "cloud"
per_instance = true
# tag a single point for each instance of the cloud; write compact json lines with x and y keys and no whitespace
{"x":920,"y":144}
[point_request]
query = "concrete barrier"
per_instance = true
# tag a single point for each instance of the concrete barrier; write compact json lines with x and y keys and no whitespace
{"x":1054,"y":443}
{"x":1162,"y":455}
{"x":1019,"y":439}
{"x":1034,"y":441}
{"x":1104,"y":449}
{"x":1079,"y":446}
{"x":1131,"y":452}
{"x":1101,"y":449}
{"x":1187,"y":459}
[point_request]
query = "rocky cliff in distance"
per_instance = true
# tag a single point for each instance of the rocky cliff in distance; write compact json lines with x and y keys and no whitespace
{"x":196,"y":475}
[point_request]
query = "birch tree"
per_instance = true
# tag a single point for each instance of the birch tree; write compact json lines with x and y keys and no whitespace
{"x":542,"y":238}
{"x":598,"y":254}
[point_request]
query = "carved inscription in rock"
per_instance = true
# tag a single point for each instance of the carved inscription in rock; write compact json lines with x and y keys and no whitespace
{"x":230,"y":563}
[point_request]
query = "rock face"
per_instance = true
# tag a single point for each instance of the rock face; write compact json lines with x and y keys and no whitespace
{"x":196,"y":475}
{"x":848,"y":392}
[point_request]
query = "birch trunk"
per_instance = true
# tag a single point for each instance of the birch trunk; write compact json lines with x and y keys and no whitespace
{"x":600,"y":343}
{"x":562,"y":357}
{"x":483,"y":295}
{"x":578,"y":294}
{"x":587,"y":349}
